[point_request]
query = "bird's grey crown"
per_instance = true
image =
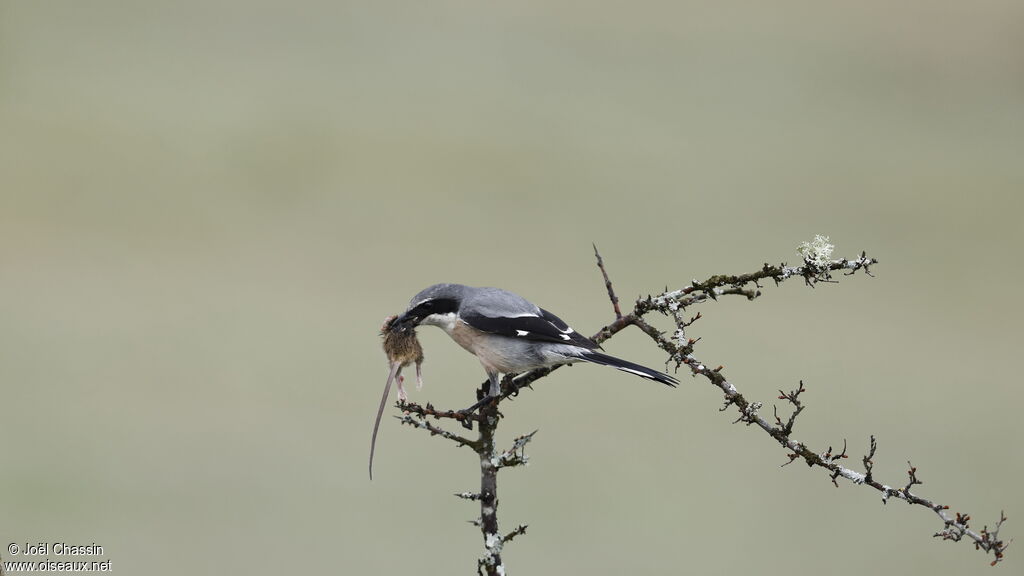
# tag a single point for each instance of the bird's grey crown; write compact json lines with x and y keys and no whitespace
{"x":437,"y":292}
{"x":491,"y":302}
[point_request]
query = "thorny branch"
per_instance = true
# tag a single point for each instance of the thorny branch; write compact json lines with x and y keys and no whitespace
{"x":608,"y":284}
{"x":491,"y":461}
{"x":680,"y":350}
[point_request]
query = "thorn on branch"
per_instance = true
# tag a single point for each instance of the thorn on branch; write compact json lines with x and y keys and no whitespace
{"x":913,"y":481}
{"x":607,"y":283}
{"x":418,"y":420}
{"x":991,"y":541}
{"x":860,"y":263}
{"x":429,"y":410}
{"x":516,"y":455}
{"x":829,"y":458}
{"x":792,"y":456}
{"x":729,"y":401}
{"x":521,"y":529}
{"x":987,"y":540}
{"x":869,"y":463}
{"x":748,"y":415}
{"x":793,"y":397}
{"x":665,"y":344}
{"x":963,"y":519}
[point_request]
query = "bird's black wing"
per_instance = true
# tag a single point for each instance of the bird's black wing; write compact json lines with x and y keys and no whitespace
{"x":545,"y":327}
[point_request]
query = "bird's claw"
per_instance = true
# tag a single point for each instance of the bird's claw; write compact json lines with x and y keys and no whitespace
{"x":480,"y":404}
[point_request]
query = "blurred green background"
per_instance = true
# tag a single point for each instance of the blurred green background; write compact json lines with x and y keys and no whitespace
{"x":208,"y":208}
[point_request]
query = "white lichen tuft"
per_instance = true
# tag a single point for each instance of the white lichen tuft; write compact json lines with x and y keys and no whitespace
{"x":852,"y":475}
{"x":817,"y":252}
{"x":886,"y":492}
{"x":668,"y":298}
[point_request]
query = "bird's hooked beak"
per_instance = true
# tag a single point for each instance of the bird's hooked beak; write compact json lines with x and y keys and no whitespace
{"x":405,"y":321}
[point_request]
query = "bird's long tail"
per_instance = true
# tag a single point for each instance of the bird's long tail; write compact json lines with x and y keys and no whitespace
{"x":626,"y":366}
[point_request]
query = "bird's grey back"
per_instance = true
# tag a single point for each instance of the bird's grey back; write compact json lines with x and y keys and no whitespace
{"x":497,"y":303}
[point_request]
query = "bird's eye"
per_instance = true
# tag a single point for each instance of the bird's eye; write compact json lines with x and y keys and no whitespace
{"x":427,"y":305}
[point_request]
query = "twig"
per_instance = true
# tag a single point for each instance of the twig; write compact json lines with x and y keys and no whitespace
{"x":516,"y":455}
{"x":793,"y":397}
{"x":429,"y":410}
{"x":955,"y":528}
{"x":671,"y":302}
{"x":607,"y":283}
{"x":418,"y":421}
{"x":521,"y":529}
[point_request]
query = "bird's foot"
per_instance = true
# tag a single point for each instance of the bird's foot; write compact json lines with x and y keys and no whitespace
{"x":467,"y":413}
{"x":480,"y":404}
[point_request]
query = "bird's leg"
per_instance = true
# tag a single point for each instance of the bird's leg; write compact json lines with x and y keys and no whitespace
{"x":419,"y":376}
{"x":495,"y":385}
{"x":476,"y":405}
{"x":493,"y":393}
{"x":402,"y":396}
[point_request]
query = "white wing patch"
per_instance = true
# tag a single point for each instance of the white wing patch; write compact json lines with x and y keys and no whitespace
{"x":522,"y":333}
{"x":565,"y":337}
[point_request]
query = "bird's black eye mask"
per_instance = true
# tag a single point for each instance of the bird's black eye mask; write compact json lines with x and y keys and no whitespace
{"x":436,"y":306}
{"x":417,"y":313}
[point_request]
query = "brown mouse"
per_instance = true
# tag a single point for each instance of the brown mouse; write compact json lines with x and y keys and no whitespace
{"x":402,"y":349}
